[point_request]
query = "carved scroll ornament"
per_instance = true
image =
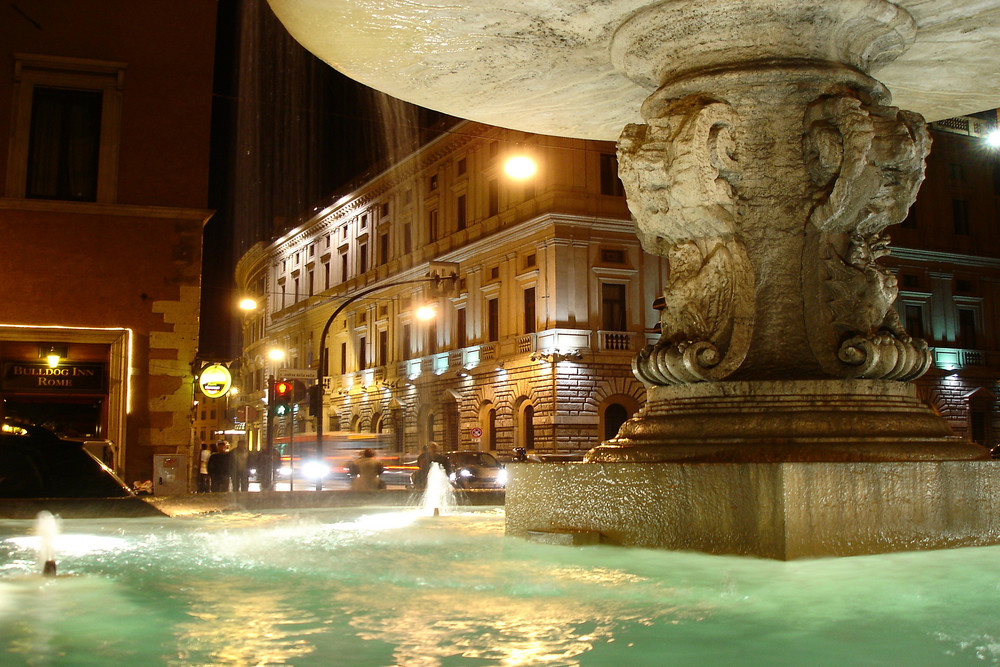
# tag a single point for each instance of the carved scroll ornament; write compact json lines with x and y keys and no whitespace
{"x":867,"y":163}
{"x":679,"y":172}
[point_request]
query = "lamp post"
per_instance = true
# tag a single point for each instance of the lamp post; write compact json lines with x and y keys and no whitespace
{"x":440,"y":272}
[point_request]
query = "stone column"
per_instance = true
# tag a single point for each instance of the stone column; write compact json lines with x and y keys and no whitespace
{"x":767,"y":171}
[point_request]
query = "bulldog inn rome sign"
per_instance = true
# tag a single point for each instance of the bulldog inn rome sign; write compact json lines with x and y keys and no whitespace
{"x":84,"y":378}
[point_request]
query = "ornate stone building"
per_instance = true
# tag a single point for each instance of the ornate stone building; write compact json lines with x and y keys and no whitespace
{"x":105,"y":110}
{"x":532,"y":349}
{"x":946,"y":258}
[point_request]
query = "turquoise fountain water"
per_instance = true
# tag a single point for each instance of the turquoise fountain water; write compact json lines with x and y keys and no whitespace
{"x":379,"y":587}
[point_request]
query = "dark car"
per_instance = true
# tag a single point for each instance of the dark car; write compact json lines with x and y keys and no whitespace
{"x":36,"y":463}
{"x":476,"y":470}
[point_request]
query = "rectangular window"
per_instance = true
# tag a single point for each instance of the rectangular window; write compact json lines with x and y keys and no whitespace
{"x":960,"y":216}
{"x":494,"y":197}
{"x":383,"y":347}
{"x":385,"y":209}
{"x":407,"y":239}
{"x":362,"y":353}
{"x":432,"y":337}
{"x":432,"y":183}
{"x":405,"y":342}
{"x":343,"y":358}
{"x":461,"y":335}
{"x":460,"y":213}
{"x":493,"y":320}
{"x":432,"y":225}
{"x":363,"y":258}
{"x":343,"y":267}
{"x":295,"y":296}
{"x":64,"y":145}
{"x":326,"y":276}
{"x":613,"y":307}
{"x":529,"y":310}
{"x":915,"y":320}
{"x":967,"y":337}
{"x":383,"y":249}
{"x":312,"y":283}
{"x":610,"y":183}
{"x":461,"y":166}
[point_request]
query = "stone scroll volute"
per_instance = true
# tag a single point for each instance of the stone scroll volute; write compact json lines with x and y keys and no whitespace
{"x":867,"y":163}
{"x":679,"y":171}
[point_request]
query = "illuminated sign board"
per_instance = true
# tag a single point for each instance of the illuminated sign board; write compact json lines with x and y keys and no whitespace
{"x":67,"y":377}
{"x":215,"y":381}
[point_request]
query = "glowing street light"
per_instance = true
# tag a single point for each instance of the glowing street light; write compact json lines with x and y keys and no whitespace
{"x":993,"y":139}
{"x":248,"y":304}
{"x":275,"y":354}
{"x":520,"y":167}
{"x":425,"y":312}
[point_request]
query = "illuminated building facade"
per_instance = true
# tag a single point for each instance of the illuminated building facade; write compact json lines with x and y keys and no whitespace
{"x":106,"y":110}
{"x":534,"y":347}
{"x":947,"y":261}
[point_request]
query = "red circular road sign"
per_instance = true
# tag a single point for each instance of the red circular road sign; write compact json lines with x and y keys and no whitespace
{"x":477,"y":432}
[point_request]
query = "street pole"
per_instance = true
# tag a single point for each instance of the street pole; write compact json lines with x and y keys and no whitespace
{"x":324,"y":357}
{"x":265,"y":463}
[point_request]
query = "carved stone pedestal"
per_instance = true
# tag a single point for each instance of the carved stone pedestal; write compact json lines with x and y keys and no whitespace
{"x":805,"y":420}
{"x":767,"y":171}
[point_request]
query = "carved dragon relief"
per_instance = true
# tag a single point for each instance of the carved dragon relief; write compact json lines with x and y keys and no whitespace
{"x":868,"y":163}
{"x":679,"y":171}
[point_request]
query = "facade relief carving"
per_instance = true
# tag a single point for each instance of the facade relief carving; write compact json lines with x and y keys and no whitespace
{"x":680,"y":171}
{"x":867,"y":163}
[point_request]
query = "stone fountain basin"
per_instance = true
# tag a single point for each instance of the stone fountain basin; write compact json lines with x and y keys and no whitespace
{"x":545,"y":66}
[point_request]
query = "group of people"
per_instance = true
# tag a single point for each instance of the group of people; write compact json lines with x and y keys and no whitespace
{"x":222,"y":469}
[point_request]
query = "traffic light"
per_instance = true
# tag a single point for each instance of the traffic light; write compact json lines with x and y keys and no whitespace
{"x":444,"y":281}
{"x":283,"y":390}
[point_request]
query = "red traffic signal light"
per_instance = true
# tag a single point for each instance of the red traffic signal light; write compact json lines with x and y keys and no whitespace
{"x":282,"y":395}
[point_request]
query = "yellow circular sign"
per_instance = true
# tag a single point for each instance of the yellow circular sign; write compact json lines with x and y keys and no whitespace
{"x":215,"y":381}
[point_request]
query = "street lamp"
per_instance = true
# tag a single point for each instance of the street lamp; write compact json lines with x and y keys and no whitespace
{"x":520,"y":167}
{"x":441,"y":274}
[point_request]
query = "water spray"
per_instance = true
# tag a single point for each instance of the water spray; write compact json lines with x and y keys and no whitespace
{"x":47,"y":529}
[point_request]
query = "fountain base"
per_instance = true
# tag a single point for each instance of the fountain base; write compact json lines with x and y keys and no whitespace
{"x":773,"y":510}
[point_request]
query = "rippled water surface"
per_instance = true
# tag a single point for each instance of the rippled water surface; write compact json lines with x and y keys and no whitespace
{"x":374,"y":587}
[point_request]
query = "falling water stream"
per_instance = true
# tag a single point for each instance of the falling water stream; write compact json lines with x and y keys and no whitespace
{"x":370,"y":586}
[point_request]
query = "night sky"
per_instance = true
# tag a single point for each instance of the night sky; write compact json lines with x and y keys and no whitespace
{"x":288,"y":133}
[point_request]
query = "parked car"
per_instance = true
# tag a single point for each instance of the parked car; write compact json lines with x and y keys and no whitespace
{"x":476,"y":470}
{"x":36,"y":463}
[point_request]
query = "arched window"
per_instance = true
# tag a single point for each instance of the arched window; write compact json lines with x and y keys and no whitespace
{"x":524,"y":435}
{"x":488,"y":423}
{"x":377,"y":422}
{"x":614,"y":411}
{"x":615,"y":415}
